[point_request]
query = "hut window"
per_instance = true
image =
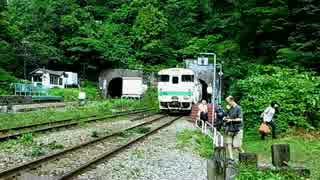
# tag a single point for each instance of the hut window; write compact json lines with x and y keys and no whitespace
{"x":54,"y":79}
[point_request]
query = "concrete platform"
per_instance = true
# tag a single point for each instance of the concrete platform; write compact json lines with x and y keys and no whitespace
{"x":32,"y":107}
{"x":47,"y":98}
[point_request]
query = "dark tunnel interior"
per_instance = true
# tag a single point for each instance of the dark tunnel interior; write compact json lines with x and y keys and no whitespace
{"x":204,"y":91}
{"x":115,"y":87}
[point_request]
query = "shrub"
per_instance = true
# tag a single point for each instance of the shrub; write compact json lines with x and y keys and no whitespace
{"x":5,"y":80}
{"x":71,"y":94}
{"x":37,"y":151}
{"x":197,"y":141}
{"x":296,"y":92}
{"x":150,"y":98}
{"x":252,"y":173}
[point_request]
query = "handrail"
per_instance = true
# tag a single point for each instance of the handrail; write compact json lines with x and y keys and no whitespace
{"x":215,"y":135}
{"x":25,"y":89}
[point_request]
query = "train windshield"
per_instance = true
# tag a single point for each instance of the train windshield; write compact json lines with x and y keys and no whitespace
{"x":187,"y":78}
{"x":164,"y":78}
{"x":175,"y":80}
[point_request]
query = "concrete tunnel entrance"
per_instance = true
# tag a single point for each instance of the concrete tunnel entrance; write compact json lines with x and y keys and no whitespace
{"x":115,"y":87}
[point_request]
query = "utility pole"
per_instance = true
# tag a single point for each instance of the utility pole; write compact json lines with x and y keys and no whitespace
{"x":220,"y":83}
{"x":25,"y":55}
{"x":213,"y":98}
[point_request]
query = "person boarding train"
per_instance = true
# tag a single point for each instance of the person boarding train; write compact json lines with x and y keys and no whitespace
{"x":203,"y":110}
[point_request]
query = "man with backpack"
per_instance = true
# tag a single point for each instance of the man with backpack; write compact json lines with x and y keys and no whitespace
{"x":233,"y":127}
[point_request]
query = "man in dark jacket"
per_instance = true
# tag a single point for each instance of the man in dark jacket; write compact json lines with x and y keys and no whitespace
{"x":234,"y":127}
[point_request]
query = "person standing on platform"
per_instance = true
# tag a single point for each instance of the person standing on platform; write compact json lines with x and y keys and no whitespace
{"x":234,"y":127}
{"x":219,"y":117}
{"x":203,"y":110}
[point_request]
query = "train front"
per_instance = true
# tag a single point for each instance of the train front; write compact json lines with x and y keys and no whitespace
{"x":175,"y":89}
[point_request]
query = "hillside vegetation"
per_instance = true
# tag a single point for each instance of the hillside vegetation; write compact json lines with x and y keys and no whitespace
{"x":269,"y":49}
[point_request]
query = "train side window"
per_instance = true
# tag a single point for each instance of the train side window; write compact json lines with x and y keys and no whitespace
{"x":164,"y":78}
{"x":175,"y":80}
{"x":187,"y":78}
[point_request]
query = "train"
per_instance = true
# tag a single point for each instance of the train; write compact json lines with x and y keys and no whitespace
{"x":178,"y":89}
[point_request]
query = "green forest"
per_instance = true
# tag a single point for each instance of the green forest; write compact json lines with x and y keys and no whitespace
{"x":270,"y":49}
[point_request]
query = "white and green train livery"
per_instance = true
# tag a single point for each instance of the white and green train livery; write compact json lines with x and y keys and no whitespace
{"x":178,"y":89}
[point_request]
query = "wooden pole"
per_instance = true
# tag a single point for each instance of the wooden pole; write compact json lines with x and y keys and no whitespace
{"x":248,"y":159}
{"x":280,"y":154}
{"x":215,"y":166}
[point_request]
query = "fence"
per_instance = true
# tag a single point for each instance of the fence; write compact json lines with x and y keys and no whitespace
{"x":29,"y":89}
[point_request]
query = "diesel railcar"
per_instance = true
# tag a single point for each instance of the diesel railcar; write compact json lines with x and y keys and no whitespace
{"x":178,"y":89}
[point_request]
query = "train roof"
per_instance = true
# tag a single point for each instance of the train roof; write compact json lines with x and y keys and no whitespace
{"x":177,"y":71}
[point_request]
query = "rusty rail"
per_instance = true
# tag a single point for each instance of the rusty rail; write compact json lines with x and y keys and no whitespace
{"x":16,"y":169}
{"x":64,"y":123}
{"x":108,"y":154}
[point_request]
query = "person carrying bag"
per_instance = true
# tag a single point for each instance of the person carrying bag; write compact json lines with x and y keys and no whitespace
{"x":264,"y":128}
{"x":268,"y":120}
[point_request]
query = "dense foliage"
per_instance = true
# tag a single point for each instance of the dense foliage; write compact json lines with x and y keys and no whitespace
{"x":71,"y":94}
{"x":152,"y":34}
{"x":281,"y":31}
{"x":297,"y":92}
{"x":252,"y":173}
{"x":109,"y":33}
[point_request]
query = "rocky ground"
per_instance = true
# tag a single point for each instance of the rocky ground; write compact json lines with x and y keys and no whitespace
{"x":156,"y":158}
{"x":15,"y":152}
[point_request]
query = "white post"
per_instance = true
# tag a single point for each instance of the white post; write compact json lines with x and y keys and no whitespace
{"x":220,"y":84}
{"x":213,"y":85}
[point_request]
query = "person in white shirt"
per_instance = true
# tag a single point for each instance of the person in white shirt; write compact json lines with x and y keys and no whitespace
{"x":268,"y":118}
{"x":203,"y":110}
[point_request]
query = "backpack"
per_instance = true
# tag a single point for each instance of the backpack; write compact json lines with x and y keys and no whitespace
{"x":219,"y":121}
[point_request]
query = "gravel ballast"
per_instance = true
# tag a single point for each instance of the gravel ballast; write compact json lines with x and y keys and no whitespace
{"x":15,"y":153}
{"x":155,"y":158}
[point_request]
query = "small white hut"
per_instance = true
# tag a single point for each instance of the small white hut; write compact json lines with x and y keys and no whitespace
{"x":51,"y":79}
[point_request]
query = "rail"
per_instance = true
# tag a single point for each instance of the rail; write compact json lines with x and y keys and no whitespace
{"x":65,"y":123}
{"x":78,"y":170}
{"x":14,"y":170}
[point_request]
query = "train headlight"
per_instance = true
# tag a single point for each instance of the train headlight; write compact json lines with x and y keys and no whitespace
{"x":175,"y":98}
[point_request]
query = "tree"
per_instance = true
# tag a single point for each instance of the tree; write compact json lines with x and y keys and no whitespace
{"x":149,"y":24}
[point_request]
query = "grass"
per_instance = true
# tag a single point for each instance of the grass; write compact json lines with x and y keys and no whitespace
{"x":75,"y":112}
{"x":71,"y":94}
{"x":138,"y":130}
{"x":304,"y":149}
{"x":252,"y":173}
{"x":197,"y":141}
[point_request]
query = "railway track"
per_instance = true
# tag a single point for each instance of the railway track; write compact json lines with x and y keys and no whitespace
{"x":74,"y":160}
{"x":15,"y":132}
